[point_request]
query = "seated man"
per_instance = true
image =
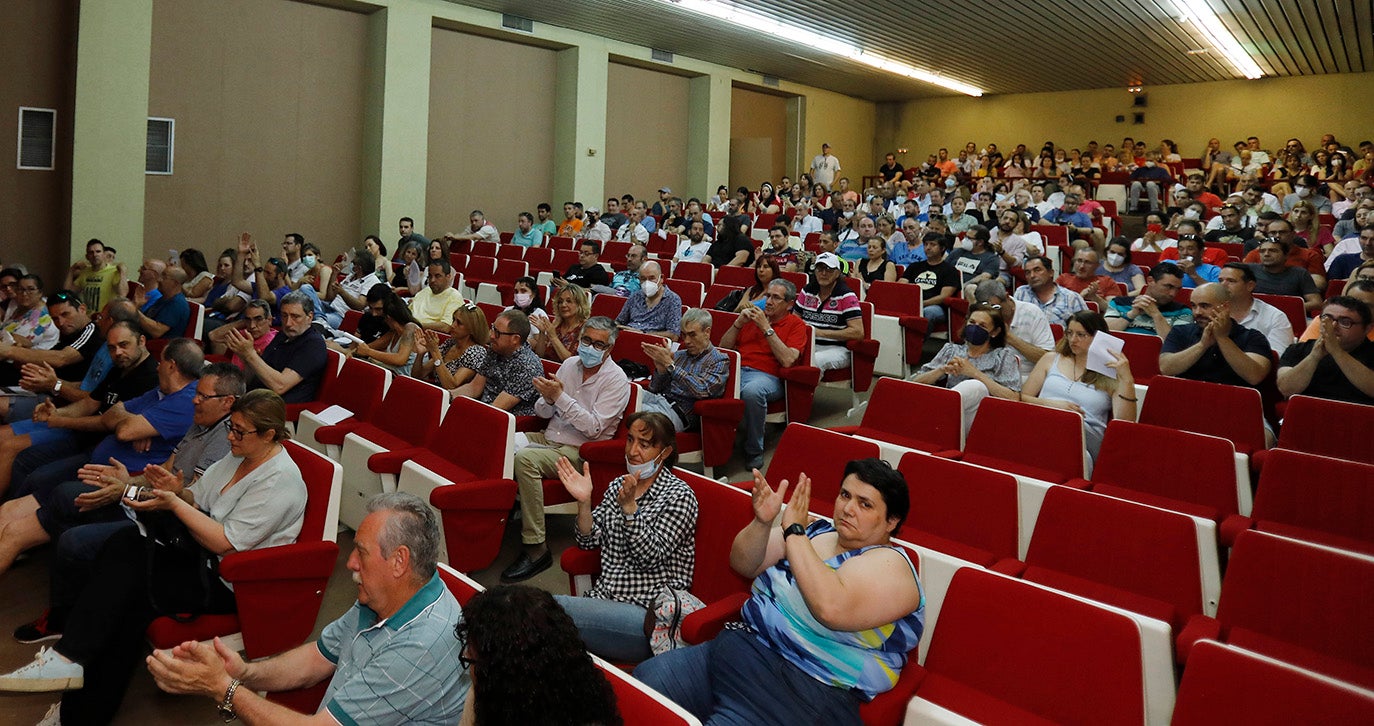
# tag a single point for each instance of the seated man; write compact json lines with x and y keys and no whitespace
{"x":1297,"y":253}
{"x":653,"y":308}
{"x":402,"y":623}
{"x":1028,"y":332}
{"x":1154,"y":311}
{"x":77,"y":343}
{"x":1082,"y":233}
{"x":593,"y":228}
{"x":1214,"y":348}
{"x":60,"y":438}
{"x":1339,"y":364}
{"x":637,"y":227}
{"x":693,"y":247}
{"x":780,"y":249}
{"x":934,"y":274}
{"x":828,"y":305}
{"x":478,"y":229}
{"x":434,"y":305}
{"x":909,"y":248}
{"x":584,"y":403}
{"x":1056,"y":302}
{"x":625,"y":283}
{"x":1233,"y":227}
{"x":588,"y":270}
{"x":768,"y":340}
{"x":1084,"y":280}
{"x":1275,"y":276}
{"x":1254,"y":313}
{"x":1148,"y":180}
{"x":79,"y":515}
{"x":292,"y":365}
{"x":1338,"y":268}
{"x":505,"y":378}
{"x":695,"y":372}
{"x":1192,"y":261}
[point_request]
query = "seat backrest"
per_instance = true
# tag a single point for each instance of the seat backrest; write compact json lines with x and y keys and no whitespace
{"x":1225,"y":684}
{"x":359,"y":388}
{"x":1234,"y":413}
{"x":639,"y":704}
{"x":614,"y":252}
{"x":476,"y":437}
{"x":351,"y":319}
{"x":894,"y":298}
{"x":539,"y":258}
{"x":462,"y":586}
{"x":1197,"y":469}
{"x":628,"y":346}
{"x":966,"y":504}
{"x":195,"y":324}
{"x":796,"y":278}
{"x":510,"y":270}
{"x":1301,"y":603}
{"x":1054,"y":234}
{"x":562,"y":243}
{"x":564,"y":258}
{"x":1023,"y":438}
{"x":702,"y":272}
{"x":722,"y":511}
{"x":1290,"y":305}
{"x":1133,"y":556}
{"x":483,"y":248}
{"x":690,"y":291}
{"x":508,"y":251}
{"x":410,"y":410}
{"x":323,"y":486}
{"x":822,"y":456}
{"x":1143,"y":353}
{"x":736,"y":276}
{"x":607,"y":304}
{"x":720,"y":324}
{"x":480,"y":268}
{"x":1327,"y":427}
{"x":458,"y":261}
{"x":1317,"y":493}
{"x":914,"y":415}
{"x":1056,"y":657}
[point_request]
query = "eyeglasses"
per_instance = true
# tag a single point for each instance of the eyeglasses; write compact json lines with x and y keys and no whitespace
{"x":494,"y":331}
{"x":1342,"y":323}
{"x":253,"y":319}
{"x":597,"y":344}
{"x":27,"y":289}
{"x":202,"y":397}
{"x":1071,"y":334}
{"x":463,"y":658}
{"x":238,"y":433}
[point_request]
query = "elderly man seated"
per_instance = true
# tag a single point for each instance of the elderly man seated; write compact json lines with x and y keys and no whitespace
{"x":768,"y":340}
{"x":653,"y":308}
{"x":1040,"y":290}
{"x":1084,"y":280}
{"x":1339,"y":364}
{"x":695,"y":372}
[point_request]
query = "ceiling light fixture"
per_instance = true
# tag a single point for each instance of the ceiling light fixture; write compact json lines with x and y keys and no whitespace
{"x":801,"y":36}
{"x":1211,"y":28}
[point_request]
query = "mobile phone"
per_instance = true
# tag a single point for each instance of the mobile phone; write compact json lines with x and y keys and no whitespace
{"x":173,"y":257}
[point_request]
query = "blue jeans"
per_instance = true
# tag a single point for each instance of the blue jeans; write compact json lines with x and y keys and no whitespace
{"x":933,"y":313}
{"x":757,"y":389}
{"x":737,"y":679}
{"x":613,"y":630}
{"x":323,"y":313}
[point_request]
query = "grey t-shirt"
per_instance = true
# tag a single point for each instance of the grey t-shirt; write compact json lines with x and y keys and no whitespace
{"x":1292,"y":281}
{"x":201,"y":447}
{"x":263,"y":509}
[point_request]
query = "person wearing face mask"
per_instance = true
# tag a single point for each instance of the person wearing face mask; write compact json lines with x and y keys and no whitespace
{"x":318,"y":283}
{"x":583,"y":402}
{"x":1117,"y":265}
{"x":980,"y":366}
{"x":1306,"y":188}
{"x":974,"y":258}
{"x":1148,"y":180}
{"x":653,"y":308}
{"x":645,"y":528}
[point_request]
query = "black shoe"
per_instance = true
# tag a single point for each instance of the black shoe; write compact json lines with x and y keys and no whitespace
{"x":37,"y":631}
{"x":524,"y":568}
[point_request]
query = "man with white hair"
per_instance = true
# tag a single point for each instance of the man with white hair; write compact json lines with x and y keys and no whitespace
{"x":653,"y":308}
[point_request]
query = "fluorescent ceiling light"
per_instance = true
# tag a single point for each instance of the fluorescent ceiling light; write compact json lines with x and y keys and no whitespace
{"x":804,"y":37}
{"x":1207,"y":23}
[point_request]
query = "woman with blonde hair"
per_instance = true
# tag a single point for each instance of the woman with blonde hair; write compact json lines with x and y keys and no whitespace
{"x":1307,"y":225}
{"x":455,"y":361}
{"x":557,"y":339}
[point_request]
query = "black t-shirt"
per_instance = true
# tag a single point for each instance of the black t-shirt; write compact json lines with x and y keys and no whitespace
{"x":126,"y":385}
{"x":372,"y":327}
{"x":1291,"y":281}
{"x":587,"y":276}
{"x":87,"y":342}
{"x":306,"y":355}
{"x":1212,"y":366}
{"x":614,"y":221}
{"x":932,"y":278}
{"x":722,"y":251}
{"x":889,"y":171}
{"x":1328,"y":381}
{"x":1242,"y":235}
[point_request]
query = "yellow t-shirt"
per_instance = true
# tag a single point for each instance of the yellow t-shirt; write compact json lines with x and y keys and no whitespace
{"x":98,"y":286}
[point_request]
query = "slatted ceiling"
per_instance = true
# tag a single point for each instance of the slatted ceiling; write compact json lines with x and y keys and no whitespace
{"x":1001,"y":47}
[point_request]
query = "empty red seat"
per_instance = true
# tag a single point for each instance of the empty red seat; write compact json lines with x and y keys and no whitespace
{"x":1326,"y":427}
{"x":1143,"y":353}
{"x":735,"y":276}
{"x":912,"y":416}
{"x":690,"y":291}
{"x":406,"y":418}
{"x":961,"y":510}
{"x":715,"y":294}
{"x":1312,"y":498}
{"x":1224,"y":684}
{"x":483,"y":248}
{"x":1022,"y":438}
{"x":702,"y":272}
{"x":1234,"y":413}
{"x":1298,"y":602}
{"x":540,"y":259}
{"x":358,"y":389}
{"x":608,"y":305}
{"x":562,"y":243}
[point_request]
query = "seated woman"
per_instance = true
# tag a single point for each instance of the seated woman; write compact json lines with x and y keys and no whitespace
{"x":527,"y":663}
{"x":646,"y":529}
{"x":1117,"y":266}
{"x":835,"y":613}
{"x":455,"y":361}
{"x":979,"y":366}
{"x":557,"y":338}
{"x":395,"y":349}
{"x":199,"y":279}
{"x":1062,"y":380}
{"x":877,"y":267}
{"x":223,"y":302}
{"x":252,"y":499}
{"x":401,"y":278}
{"x":528,"y":299}
{"x":766,"y":270}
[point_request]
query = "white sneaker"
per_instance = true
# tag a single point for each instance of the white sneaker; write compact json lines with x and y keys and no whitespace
{"x":53,"y":717}
{"x":48,"y":672}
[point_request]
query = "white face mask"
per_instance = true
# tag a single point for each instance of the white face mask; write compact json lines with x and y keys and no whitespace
{"x":650,"y":288}
{"x":950,"y":183}
{"x":1115,"y":260}
{"x":1190,"y":214}
{"x":1149,"y":163}
{"x":523,"y":299}
{"x":965,"y":244}
{"x":848,"y":214}
{"x":1303,"y":192}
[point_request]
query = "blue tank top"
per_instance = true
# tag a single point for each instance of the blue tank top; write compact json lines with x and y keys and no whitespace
{"x":867,"y":661}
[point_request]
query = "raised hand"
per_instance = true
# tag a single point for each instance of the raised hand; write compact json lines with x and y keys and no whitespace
{"x":578,"y":484}
{"x":239,"y":341}
{"x":799,"y":506}
{"x":767,"y":502}
{"x":163,"y":480}
{"x":659,"y":353}
{"x":1122,"y":367}
{"x":631,"y":489}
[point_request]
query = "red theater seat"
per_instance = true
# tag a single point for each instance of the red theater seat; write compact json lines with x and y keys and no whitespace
{"x":1314,"y":499}
{"x":961,"y":510}
{"x":1022,"y":438}
{"x":1224,"y":684}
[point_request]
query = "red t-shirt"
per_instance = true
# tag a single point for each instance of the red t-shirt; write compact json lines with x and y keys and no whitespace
{"x":1308,"y":259}
{"x":754,"y":351}
{"x":1106,"y":286}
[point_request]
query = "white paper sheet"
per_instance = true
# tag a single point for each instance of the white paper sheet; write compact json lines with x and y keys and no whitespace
{"x":333,"y":415}
{"x":1101,"y":350}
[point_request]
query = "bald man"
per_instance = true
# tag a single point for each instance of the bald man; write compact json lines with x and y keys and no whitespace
{"x":167,"y":316}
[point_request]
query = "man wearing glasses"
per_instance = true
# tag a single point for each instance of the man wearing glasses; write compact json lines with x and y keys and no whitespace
{"x":768,"y":340}
{"x":583,"y":403}
{"x":292,"y":365}
{"x":1339,"y":364}
{"x":505,"y":379}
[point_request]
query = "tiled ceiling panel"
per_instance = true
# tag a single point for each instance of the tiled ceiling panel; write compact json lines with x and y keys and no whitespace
{"x":996,"y":45}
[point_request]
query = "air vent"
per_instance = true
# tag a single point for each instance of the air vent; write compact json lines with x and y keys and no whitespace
{"x":770,"y":81}
{"x":37,"y":137}
{"x":661,"y":56}
{"x":515,"y":22}
{"x":161,"y":139}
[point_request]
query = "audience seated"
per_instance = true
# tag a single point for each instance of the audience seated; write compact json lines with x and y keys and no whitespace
{"x":1154,"y":310}
{"x":832,"y":309}
{"x":1214,"y":347}
{"x":433,"y":306}
{"x":1339,"y":364}
{"x":768,"y":339}
{"x":652,"y":308}
{"x":980,"y":366}
{"x":696,"y":371}
{"x":1028,"y":331}
{"x":1055,"y":301}
{"x":1251,"y":312}
{"x":1087,"y":280}
{"x":588,"y":272}
{"x":292,"y":365}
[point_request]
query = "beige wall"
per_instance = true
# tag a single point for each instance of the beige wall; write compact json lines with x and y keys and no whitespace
{"x":491,"y":112}
{"x":757,"y":119}
{"x":646,"y":133}
{"x":846,"y":123}
{"x":38,"y":63}
{"x":268,"y":98}
{"x":1271,"y":108}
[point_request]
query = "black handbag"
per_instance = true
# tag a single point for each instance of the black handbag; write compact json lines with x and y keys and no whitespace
{"x":172,"y":553}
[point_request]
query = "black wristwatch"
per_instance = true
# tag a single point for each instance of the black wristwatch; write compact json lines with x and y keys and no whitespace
{"x":792,"y":529}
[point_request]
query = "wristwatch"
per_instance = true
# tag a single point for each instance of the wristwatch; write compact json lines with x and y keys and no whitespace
{"x":226,"y":707}
{"x":792,"y":529}
{"x":769,"y":333}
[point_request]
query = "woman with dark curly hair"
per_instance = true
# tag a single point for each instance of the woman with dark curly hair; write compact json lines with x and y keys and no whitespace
{"x":527,"y":663}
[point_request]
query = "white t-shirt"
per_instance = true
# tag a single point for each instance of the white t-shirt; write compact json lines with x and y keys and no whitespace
{"x":688,"y":252}
{"x":823,"y":169}
{"x":1030,"y":324}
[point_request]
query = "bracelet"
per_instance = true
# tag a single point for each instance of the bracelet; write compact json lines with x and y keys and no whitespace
{"x":1132,"y":400}
{"x":226,"y":707}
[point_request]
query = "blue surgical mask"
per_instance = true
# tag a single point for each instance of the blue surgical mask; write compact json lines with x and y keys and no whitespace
{"x":641,"y":471}
{"x":308,"y":261}
{"x":590,"y":357}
